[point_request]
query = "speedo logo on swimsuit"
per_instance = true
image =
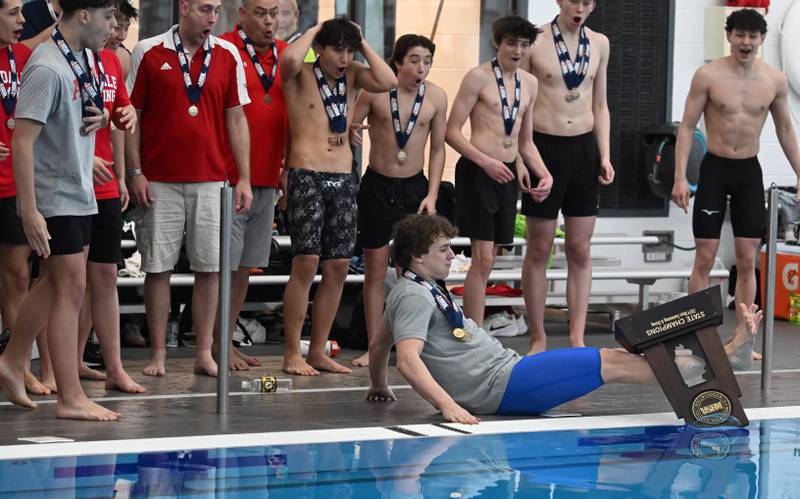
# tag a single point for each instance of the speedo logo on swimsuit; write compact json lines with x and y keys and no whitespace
{"x":709,"y":212}
{"x":332,"y":183}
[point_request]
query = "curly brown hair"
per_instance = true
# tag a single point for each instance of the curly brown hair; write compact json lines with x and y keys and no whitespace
{"x":414,"y":235}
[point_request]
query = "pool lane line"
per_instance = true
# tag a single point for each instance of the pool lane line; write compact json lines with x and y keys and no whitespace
{"x":456,"y":430}
{"x":405,"y":431}
{"x":301,"y":437}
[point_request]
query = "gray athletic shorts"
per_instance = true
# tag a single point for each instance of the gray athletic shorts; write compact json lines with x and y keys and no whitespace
{"x":251,"y":233}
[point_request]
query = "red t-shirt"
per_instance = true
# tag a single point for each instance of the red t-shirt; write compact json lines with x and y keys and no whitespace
{"x":177,"y":147}
{"x":21,"y":55}
{"x":115,"y":96}
{"x":268,"y":123}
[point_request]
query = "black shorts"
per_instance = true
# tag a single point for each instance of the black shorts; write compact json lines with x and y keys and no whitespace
{"x":742,"y":180}
{"x":69,"y":234}
{"x":485,"y":209}
{"x":574,"y":163}
{"x":11,"y":231}
{"x":383,"y":201}
{"x":322,"y":213}
{"x":106,"y":232}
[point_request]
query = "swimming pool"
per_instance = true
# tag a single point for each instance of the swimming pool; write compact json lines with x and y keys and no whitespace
{"x":762,"y":460}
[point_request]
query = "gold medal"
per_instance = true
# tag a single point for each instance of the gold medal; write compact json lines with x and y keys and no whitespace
{"x":267,"y":100}
{"x":460,"y":334}
{"x":572,"y":96}
{"x":335,"y":140}
{"x":401,"y":156}
{"x":507,"y":142}
{"x":193,"y":111}
{"x":10,"y":123}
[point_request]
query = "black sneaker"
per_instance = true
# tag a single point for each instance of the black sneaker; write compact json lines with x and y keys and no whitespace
{"x":93,"y":356}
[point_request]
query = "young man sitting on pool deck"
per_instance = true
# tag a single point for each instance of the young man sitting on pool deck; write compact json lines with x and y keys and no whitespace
{"x":461,"y":370}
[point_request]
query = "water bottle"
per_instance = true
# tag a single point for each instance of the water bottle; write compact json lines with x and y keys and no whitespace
{"x":173,"y":331}
{"x":267,"y":384}
{"x":331,"y":347}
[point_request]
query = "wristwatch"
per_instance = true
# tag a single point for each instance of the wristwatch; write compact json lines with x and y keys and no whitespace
{"x":133,"y":172}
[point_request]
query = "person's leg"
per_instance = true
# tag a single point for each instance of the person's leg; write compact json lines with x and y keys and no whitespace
{"x":746,"y":250}
{"x":159,"y":236}
{"x":67,"y":275}
{"x":157,"y":304}
{"x":541,"y":232}
{"x":237,"y":361}
{"x":14,"y":362}
{"x":323,"y":313}
{"x":376,"y":260}
{"x":705,"y":253}
{"x":483,"y":256}
{"x":295,"y":307}
{"x":102,"y":279}
{"x":204,"y":311}
{"x":579,"y":274}
{"x":14,"y":281}
{"x":85,"y":330}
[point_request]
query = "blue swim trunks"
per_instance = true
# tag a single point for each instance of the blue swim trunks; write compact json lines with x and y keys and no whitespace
{"x":548,"y":379}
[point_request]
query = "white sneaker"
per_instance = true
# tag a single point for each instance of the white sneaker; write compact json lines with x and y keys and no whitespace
{"x":501,"y":324}
{"x":522,"y":326}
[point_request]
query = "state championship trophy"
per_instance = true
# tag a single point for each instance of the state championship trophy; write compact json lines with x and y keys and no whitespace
{"x":679,"y":339}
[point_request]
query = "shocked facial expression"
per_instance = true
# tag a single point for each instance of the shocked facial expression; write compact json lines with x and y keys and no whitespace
{"x":416,"y":65}
{"x":260,"y":21}
{"x":11,"y":22}
{"x":198,"y":18}
{"x":512,"y":51}
{"x":745,"y":44}
{"x":334,"y":61}
{"x":575,"y":12}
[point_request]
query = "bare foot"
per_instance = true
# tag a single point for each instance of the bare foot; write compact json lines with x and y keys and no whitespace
{"x":205,"y":365}
{"x":325,"y":363}
{"x":49,"y":381}
{"x":34,"y":386}
{"x":237,"y":364}
{"x":251,"y":361}
{"x":295,"y":364}
{"x":537,"y":346}
{"x":86,"y":372}
{"x":362,"y":361}
{"x":157,"y":365}
{"x":13,"y":383}
{"x":122,"y":382}
{"x":85,"y":410}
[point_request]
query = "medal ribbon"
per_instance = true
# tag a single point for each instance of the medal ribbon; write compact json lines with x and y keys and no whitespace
{"x":91,"y":85}
{"x":9,"y":97}
{"x":266,"y":80}
{"x":192,"y":91}
{"x":454,"y":314}
{"x":52,"y":10}
{"x":402,"y":137}
{"x":573,"y":72}
{"x":509,"y":115}
{"x":335,"y":102}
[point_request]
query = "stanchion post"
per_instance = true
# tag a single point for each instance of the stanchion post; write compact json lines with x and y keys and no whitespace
{"x":224,"y":307}
{"x":769,"y":289}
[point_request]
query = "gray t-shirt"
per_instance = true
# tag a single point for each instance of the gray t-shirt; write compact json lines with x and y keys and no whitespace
{"x":61,"y":155}
{"x":474,"y":372}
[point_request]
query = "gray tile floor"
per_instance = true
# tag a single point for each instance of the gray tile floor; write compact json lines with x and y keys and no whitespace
{"x":183,"y":404}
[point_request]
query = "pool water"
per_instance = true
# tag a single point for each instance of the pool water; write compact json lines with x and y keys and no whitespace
{"x":762,"y":460}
